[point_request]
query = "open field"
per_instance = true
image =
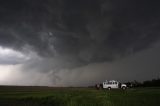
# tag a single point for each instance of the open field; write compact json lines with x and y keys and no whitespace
{"x":46,"y":96}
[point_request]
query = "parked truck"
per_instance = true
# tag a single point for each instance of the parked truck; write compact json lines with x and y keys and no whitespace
{"x":113,"y":84}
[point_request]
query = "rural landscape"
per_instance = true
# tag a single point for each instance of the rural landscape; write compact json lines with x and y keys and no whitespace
{"x":79,"y":52}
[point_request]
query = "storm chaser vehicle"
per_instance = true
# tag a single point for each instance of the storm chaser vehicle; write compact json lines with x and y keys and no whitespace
{"x":112,"y":84}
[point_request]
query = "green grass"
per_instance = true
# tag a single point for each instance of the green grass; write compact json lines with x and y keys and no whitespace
{"x":44,"y":96}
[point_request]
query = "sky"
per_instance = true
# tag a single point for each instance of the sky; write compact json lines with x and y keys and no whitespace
{"x":78,"y":42}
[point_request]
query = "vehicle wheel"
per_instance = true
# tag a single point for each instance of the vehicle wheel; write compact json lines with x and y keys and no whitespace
{"x":123,"y":88}
{"x":109,"y":88}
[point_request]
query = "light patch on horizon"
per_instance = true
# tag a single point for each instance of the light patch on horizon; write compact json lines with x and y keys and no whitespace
{"x":11,"y":71}
{"x":5,"y":73}
{"x":8,"y":73}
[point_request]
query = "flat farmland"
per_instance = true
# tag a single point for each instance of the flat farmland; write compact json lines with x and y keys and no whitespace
{"x":50,"y":96}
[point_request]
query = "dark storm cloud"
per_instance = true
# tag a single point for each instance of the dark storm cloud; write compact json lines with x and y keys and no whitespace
{"x":86,"y":31}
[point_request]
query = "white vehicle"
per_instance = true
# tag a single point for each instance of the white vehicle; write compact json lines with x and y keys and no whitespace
{"x":112,"y":84}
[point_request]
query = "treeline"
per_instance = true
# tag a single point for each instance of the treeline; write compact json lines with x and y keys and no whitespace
{"x":148,"y":83}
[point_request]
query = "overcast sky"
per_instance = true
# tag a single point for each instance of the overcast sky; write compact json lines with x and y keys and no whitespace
{"x":78,"y":42}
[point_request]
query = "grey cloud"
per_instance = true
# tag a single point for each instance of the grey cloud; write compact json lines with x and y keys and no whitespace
{"x":68,"y":34}
{"x":80,"y":26}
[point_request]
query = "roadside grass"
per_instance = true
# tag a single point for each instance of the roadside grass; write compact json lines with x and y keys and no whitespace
{"x":80,"y":97}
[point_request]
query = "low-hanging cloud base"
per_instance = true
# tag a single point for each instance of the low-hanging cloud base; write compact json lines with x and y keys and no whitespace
{"x":77,"y":42}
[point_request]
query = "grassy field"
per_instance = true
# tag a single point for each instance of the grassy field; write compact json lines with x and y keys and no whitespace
{"x":46,"y":96}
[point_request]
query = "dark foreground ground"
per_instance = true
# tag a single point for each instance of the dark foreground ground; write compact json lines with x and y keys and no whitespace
{"x":46,"y":96}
